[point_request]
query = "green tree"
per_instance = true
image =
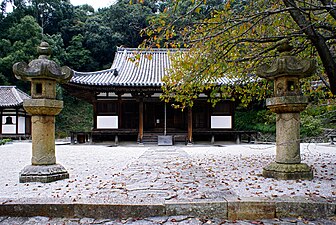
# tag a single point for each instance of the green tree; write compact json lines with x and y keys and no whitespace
{"x":127,"y":20}
{"x":77,"y":56}
{"x":238,"y":36}
{"x":3,"y":80}
{"x":50,"y":13}
{"x":76,"y":23}
{"x":101,"y":40}
{"x":20,"y":45}
{"x":58,"y":53}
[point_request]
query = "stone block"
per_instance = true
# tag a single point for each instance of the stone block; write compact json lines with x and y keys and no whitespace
{"x":166,"y":140}
{"x":43,"y":174}
{"x":308,"y":208}
{"x":250,"y":208}
{"x":198,"y":208}
{"x":287,"y":104}
{"x":118,"y":210}
{"x":46,"y":107}
{"x":36,"y":209}
{"x":288,"y":171}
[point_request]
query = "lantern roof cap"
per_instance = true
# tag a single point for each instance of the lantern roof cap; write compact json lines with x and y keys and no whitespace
{"x":42,"y":68}
{"x":287,"y":65}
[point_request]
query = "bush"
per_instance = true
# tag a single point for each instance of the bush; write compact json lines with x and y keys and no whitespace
{"x":316,"y":118}
{"x":4,"y":141}
{"x":310,"y":126}
{"x":77,"y":115}
{"x":257,"y":120}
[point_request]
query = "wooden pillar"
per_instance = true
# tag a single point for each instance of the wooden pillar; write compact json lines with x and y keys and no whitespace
{"x":190,"y":120}
{"x":28,"y":124}
{"x":212,"y":139}
{"x":94,"y":115}
{"x":116,"y":139}
{"x":140,"y":120}
{"x":238,"y":138}
{"x":72,"y":138}
{"x":17,"y":121}
{"x":120,"y":124}
{"x":0,"y":121}
{"x":165,"y":120}
{"x":25,"y":118}
{"x":232,"y":113}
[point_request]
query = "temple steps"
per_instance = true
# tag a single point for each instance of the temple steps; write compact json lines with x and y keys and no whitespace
{"x":152,"y":138}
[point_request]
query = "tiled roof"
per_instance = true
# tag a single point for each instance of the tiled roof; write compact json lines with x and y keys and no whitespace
{"x":132,"y":67}
{"x":10,"y":96}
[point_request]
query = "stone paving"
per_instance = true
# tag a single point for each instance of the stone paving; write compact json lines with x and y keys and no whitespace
{"x":178,"y":220}
{"x":168,"y":173}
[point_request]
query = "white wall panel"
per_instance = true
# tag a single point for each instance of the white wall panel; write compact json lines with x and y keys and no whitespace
{"x":9,"y":129}
{"x":221,"y":122}
{"x":22,"y":125}
{"x":107,"y":122}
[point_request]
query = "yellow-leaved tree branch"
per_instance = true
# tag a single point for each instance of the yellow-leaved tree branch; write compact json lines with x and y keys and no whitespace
{"x":228,"y":39}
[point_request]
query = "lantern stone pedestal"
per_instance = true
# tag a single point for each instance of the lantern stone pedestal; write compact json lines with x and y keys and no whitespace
{"x":43,"y":107}
{"x":285,"y":72}
{"x":43,"y":173}
{"x":44,"y":168}
{"x":287,"y":165}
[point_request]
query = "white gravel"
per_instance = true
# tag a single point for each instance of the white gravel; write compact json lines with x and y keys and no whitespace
{"x":88,"y":166}
{"x":233,"y":167}
{"x":239,"y":167}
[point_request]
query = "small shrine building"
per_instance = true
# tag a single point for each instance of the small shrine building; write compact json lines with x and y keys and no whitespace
{"x":14,"y":120}
{"x":127,"y":105}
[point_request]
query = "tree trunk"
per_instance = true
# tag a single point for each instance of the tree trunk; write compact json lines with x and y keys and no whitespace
{"x":317,"y":40}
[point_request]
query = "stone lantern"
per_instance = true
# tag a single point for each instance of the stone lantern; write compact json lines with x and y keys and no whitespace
{"x":43,"y":75}
{"x":287,"y":103}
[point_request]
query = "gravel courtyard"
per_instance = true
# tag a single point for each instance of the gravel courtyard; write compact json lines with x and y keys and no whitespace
{"x":152,"y":173}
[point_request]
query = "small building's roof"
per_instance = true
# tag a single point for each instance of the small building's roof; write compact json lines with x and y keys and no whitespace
{"x":132,"y":67}
{"x":11,"y":96}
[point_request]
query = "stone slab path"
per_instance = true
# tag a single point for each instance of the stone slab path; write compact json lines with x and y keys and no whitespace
{"x":168,"y":173}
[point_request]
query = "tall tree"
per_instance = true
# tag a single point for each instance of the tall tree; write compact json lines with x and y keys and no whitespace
{"x":20,"y":45}
{"x":129,"y":19}
{"x":237,"y":37}
{"x":102,"y":40}
{"x":48,"y":13}
{"x":77,"y":57}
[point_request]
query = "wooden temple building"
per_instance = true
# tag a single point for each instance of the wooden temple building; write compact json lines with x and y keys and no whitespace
{"x":127,"y":105}
{"x":14,"y":120}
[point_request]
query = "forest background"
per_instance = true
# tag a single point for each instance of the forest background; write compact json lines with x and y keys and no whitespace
{"x":86,"y":40}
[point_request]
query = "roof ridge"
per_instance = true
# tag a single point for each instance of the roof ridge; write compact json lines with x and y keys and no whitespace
{"x":20,"y":92}
{"x":78,"y":73}
{"x":7,"y":86}
{"x":12,"y":96}
{"x":121,"y":49}
{"x":122,"y":62}
{"x":16,"y":95}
